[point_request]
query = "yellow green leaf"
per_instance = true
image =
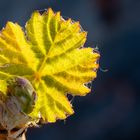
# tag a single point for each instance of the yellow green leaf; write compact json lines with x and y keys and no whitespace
{"x":50,"y":54}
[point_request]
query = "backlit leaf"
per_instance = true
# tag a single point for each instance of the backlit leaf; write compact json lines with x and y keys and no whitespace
{"x":50,"y":54}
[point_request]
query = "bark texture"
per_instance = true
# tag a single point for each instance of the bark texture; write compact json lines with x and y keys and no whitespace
{"x":4,"y":135}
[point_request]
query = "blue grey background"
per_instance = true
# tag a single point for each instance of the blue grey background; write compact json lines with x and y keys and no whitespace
{"x":112,"y":111}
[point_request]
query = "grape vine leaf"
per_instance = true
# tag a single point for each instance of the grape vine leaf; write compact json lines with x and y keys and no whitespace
{"x":50,"y":54}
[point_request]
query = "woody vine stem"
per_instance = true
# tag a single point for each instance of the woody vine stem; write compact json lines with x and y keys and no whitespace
{"x":4,"y":136}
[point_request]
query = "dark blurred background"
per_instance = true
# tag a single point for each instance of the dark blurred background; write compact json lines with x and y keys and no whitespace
{"x":112,"y":111}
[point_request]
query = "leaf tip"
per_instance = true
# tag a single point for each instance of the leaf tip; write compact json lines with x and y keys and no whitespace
{"x":50,"y":11}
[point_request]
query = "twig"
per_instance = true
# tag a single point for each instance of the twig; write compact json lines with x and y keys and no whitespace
{"x":4,"y":136}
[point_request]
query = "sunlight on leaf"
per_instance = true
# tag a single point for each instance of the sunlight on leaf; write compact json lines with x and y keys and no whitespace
{"x":50,"y":54}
